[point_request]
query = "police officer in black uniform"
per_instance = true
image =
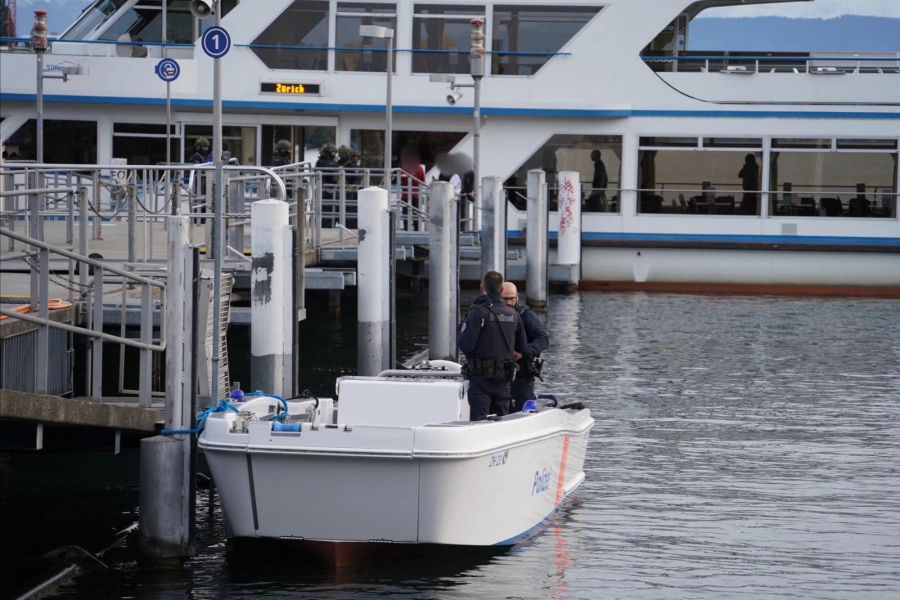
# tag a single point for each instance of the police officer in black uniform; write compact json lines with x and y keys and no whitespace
{"x":492,"y":338}
{"x":522,"y":387}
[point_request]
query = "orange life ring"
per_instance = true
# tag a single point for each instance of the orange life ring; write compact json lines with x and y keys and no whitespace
{"x":53,"y":304}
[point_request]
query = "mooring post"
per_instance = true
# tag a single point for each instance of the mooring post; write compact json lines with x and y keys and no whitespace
{"x":443,"y":272}
{"x":271,"y":301}
{"x":373,"y":286}
{"x":536,"y":246}
{"x":166,"y":473}
{"x":493,"y":226}
{"x":568,"y":246}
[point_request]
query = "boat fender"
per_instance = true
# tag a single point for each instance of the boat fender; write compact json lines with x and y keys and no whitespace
{"x":286,"y":427}
{"x":572,"y":406}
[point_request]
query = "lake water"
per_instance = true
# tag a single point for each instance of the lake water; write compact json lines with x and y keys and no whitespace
{"x":744,"y":447}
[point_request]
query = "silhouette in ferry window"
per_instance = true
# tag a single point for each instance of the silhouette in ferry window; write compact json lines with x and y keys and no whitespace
{"x":597,"y":200}
{"x":749,"y":175}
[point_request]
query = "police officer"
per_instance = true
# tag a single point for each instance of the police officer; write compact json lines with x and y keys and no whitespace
{"x":492,"y":338}
{"x":201,"y":152}
{"x":522,"y":387}
{"x":282,"y":155}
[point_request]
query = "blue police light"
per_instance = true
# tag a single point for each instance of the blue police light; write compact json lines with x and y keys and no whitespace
{"x":530,"y":406}
{"x":237,"y":396}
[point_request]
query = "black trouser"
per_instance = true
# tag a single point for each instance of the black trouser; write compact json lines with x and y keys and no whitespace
{"x":487,"y":397}
{"x":521,"y":389}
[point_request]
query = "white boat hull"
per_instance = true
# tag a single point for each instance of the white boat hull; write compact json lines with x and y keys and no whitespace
{"x":474,"y":484}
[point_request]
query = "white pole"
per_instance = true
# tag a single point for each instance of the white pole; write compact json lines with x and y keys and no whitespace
{"x":536,"y":274}
{"x":443,"y":272}
{"x":373,"y":320}
{"x":270,"y":292}
{"x":569,"y":240}
{"x":493,"y":226}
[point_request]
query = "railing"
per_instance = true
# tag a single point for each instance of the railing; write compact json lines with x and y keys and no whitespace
{"x":749,"y":63}
{"x":90,"y":304}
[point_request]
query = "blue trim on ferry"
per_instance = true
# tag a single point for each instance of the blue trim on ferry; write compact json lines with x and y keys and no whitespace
{"x":783,"y":240}
{"x":458,"y":110}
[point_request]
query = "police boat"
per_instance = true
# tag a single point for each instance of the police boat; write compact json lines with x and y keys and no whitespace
{"x":393,"y":459}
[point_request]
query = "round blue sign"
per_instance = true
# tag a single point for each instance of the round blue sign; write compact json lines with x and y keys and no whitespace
{"x":168,"y":70}
{"x":216,"y":42}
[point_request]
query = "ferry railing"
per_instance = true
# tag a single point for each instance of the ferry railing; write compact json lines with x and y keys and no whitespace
{"x":89,"y":304}
{"x":748,"y":63}
{"x":728,"y":198}
{"x":602,"y":200}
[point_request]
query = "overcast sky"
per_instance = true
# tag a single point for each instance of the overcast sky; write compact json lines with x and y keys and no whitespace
{"x":820,"y":9}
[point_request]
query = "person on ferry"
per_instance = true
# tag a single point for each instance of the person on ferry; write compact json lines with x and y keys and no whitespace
{"x":598,"y":184}
{"x":522,"y":387}
{"x":201,"y":153}
{"x":749,"y":175}
{"x":493,"y":339}
{"x":282,"y":155}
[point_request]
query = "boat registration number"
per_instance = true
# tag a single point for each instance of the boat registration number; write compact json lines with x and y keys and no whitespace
{"x":499,"y":459}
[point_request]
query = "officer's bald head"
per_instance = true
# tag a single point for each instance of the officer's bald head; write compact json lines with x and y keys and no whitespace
{"x":491,"y":283}
{"x":510,"y":293}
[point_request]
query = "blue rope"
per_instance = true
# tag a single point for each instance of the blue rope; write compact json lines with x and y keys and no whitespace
{"x":222,"y":406}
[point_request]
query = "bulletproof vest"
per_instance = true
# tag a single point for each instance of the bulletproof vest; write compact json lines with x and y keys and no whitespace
{"x":498,"y":336}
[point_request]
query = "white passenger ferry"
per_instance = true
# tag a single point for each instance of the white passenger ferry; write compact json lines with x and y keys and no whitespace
{"x":815,"y":210}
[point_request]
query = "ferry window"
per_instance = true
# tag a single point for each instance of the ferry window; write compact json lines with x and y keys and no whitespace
{"x":65,"y":142}
{"x":833,"y":184}
{"x":305,"y":142}
{"x":524,"y":38}
{"x":441,"y":37}
{"x":239,"y":142}
{"x":296,"y":39}
{"x":718,"y":142}
{"x":598,"y":158}
{"x":144,"y":143}
{"x":805,"y":143}
{"x":355,"y":53}
{"x":669,"y":142}
{"x":419,"y":147}
{"x":867,"y":144}
{"x":720,"y":182}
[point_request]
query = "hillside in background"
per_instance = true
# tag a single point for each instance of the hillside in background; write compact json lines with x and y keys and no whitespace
{"x":779,"y":34}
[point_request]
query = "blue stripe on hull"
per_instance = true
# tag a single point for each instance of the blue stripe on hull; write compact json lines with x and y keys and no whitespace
{"x":454,"y":110}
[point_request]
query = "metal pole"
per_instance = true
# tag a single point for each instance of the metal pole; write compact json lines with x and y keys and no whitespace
{"x":42,"y":355}
{"x":476,"y":154}
{"x":97,"y":343}
{"x":493,"y":227}
{"x":536,"y":247}
{"x":388,"y":118}
{"x":443,"y":272}
{"x":145,"y":376}
{"x":176,"y":290}
{"x":40,"y":106}
{"x":217,"y":221}
{"x":165,"y":54}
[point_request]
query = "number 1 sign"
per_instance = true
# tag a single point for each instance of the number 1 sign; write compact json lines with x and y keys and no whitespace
{"x":216,"y":42}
